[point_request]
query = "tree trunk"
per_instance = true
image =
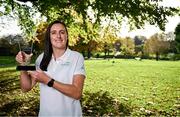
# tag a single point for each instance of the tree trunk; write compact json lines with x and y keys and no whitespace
{"x":89,"y":54}
{"x":83,"y":53}
{"x":157,"y":56}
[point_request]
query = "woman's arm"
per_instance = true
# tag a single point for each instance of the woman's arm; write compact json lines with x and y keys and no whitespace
{"x":73,"y":90}
{"x":26,"y":81}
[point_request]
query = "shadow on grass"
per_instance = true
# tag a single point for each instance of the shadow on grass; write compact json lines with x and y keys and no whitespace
{"x":10,"y":107}
{"x":93,"y":104}
{"x":20,"y":108}
{"x":8,"y":81}
{"x":12,"y":101}
{"x":102,"y":104}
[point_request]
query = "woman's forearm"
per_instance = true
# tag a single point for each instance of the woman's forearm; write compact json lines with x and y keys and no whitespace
{"x":68,"y":89}
{"x":25,"y":81}
{"x":73,"y":90}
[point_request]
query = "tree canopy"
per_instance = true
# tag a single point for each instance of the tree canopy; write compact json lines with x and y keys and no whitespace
{"x":157,"y":44}
{"x":77,"y":11}
{"x":177,"y":38}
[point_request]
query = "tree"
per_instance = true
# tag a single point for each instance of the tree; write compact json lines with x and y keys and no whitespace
{"x":139,"y":43}
{"x":11,"y":44}
{"x":39,"y":39}
{"x":137,"y":11}
{"x":127,"y":47}
{"x":117,"y":45}
{"x":139,"y":40}
{"x":177,"y":38}
{"x":157,"y":44}
{"x":84,"y":47}
{"x":84,"y":40}
{"x":108,"y":38}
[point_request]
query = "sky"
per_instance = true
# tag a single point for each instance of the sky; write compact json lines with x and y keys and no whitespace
{"x":11,"y":25}
{"x":149,"y":30}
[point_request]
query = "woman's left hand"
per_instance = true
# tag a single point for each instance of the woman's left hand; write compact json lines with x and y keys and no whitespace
{"x":40,"y":76}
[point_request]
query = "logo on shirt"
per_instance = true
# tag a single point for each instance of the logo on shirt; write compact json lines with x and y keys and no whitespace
{"x":67,"y":63}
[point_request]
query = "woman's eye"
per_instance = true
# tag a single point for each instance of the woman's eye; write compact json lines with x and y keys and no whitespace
{"x":62,"y":32}
{"x":53,"y":33}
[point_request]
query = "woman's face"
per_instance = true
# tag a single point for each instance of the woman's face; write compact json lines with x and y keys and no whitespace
{"x":58,"y":36}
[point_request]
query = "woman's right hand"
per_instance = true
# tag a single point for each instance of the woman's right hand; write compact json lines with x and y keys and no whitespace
{"x":22,"y":58}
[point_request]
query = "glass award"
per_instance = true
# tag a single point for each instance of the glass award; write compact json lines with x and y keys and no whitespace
{"x":26,"y":51}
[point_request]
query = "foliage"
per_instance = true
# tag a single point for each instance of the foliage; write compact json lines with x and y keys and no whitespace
{"x":6,"y":48}
{"x":127,"y":46}
{"x":11,"y":44}
{"x":177,"y":38}
{"x":139,"y":40}
{"x":4,"y":43}
{"x":139,"y":44}
{"x":176,"y":57}
{"x":23,"y":13}
{"x":77,"y":33}
{"x":157,"y":44}
{"x":137,"y":11}
{"x":40,"y":33}
{"x":108,"y":39}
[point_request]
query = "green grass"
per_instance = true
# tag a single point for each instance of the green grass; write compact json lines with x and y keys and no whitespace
{"x":146,"y":86}
{"x":7,"y":60}
{"x":112,"y":87}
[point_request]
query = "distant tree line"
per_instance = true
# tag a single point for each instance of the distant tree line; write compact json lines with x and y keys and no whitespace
{"x":106,"y":44}
{"x":84,"y":20}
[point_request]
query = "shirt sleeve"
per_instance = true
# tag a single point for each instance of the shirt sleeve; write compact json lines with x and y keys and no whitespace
{"x":38,"y":61}
{"x":80,"y":69}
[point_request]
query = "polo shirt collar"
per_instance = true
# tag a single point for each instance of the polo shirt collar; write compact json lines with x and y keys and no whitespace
{"x":64,"y":56}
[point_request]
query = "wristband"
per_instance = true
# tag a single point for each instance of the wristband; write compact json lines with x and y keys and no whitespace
{"x":50,"y":83}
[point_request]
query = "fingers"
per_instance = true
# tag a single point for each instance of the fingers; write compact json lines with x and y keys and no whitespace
{"x":33,"y":74}
{"x":40,"y":71}
{"x":31,"y":54}
{"x":39,"y":76}
{"x":28,"y":56}
{"x":20,"y":57}
{"x":36,"y":75}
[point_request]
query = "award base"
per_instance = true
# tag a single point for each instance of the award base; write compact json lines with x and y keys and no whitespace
{"x":26,"y":68}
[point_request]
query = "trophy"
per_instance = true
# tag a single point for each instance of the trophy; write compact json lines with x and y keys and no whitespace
{"x":26,"y":51}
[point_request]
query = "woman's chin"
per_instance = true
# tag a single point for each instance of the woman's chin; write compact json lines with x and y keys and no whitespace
{"x":60,"y":47}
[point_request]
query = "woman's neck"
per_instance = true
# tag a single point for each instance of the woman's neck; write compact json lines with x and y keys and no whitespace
{"x":58,"y":52}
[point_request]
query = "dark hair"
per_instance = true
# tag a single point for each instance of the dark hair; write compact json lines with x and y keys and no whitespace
{"x":48,"y":46}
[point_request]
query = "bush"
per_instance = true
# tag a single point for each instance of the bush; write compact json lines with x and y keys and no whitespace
{"x":176,"y":57}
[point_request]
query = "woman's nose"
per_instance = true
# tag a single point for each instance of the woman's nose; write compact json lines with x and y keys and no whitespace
{"x":59,"y":35}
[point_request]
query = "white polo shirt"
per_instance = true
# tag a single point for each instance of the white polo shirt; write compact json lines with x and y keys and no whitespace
{"x":53,"y":102}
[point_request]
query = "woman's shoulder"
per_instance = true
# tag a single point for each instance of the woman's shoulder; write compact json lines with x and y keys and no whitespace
{"x":39,"y":58}
{"x":41,"y":55}
{"x":76,"y":53}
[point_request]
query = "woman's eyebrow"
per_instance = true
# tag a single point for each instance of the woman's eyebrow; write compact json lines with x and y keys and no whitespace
{"x":59,"y":30}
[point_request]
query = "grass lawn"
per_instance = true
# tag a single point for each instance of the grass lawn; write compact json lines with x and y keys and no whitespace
{"x":112,"y":87}
{"x":146,"y":87}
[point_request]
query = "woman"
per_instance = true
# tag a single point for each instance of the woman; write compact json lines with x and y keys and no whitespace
{"x":60,"y":72}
